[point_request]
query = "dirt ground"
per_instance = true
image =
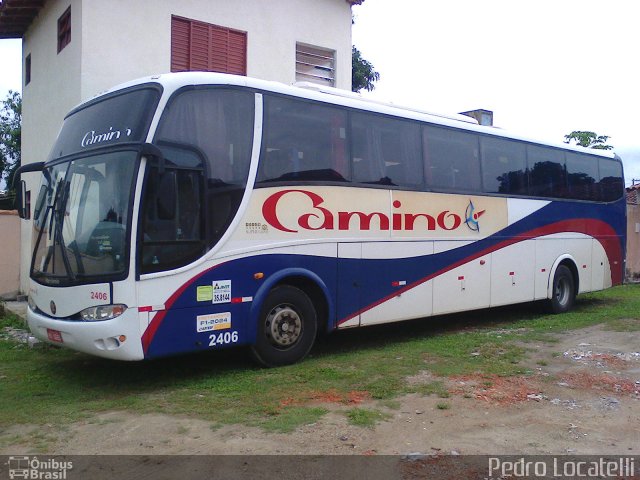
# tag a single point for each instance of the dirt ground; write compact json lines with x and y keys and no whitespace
{"x":584,"y":398}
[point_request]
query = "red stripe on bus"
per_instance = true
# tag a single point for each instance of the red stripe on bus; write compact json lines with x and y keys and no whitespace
{"x":598,"y":229}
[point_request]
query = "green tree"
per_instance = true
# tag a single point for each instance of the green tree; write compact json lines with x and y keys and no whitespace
{"x":588,"y":139}
{"x":10,"y":135}
{"x":362,"y":73}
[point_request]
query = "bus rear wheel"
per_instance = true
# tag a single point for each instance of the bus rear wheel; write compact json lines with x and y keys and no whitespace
{"x":287,"y":327}
{"x":563,"y":294}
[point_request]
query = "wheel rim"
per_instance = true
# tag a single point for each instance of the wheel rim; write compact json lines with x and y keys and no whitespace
{"x":562,"y":291}
{"x":284,"y":326}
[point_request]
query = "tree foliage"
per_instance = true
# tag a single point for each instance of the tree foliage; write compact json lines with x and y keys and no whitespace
{"x":588,"y":139}
{"x":10,"y":135}
{"x":362,"y":73}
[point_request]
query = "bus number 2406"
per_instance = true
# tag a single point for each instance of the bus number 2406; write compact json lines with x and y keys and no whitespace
{"x":223,"y":338}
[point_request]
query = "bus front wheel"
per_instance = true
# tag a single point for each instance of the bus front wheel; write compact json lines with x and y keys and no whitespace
{"x":287,"y":327}
{"x":563,"y":294}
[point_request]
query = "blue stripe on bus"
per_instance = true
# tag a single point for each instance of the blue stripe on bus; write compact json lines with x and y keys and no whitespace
{"x":175,"y":330}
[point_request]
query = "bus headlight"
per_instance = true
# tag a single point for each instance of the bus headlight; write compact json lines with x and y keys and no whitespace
{"x":32,"y":304}
{"x":103,"y":312}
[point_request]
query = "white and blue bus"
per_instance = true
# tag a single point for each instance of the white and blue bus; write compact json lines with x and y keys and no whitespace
{"x":199,"y":211}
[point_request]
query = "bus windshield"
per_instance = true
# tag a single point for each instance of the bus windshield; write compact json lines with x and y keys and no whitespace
{"x":82,"y":215}
{"x":81,"y":221}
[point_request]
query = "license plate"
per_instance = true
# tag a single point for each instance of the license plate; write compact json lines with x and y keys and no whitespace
{"x":54,"y":335}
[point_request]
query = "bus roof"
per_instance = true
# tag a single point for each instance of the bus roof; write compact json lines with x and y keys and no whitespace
{"x":174,"y":81}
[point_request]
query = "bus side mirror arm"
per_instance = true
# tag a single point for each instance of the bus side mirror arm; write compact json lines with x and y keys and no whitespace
{"x":21,"y":188}
{"x":155,"y":155}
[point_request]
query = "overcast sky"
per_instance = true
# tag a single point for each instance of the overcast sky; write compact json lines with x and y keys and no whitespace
{"x":544,"y":67}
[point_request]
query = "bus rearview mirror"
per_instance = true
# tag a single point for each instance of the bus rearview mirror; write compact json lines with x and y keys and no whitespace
{"x":21,"y":199}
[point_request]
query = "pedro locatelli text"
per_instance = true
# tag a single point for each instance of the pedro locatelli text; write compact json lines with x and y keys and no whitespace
{"x":559,"y":467}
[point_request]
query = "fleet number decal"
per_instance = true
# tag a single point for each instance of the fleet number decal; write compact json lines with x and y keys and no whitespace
{"x":222,"y":338}
{"x":100,"y":296}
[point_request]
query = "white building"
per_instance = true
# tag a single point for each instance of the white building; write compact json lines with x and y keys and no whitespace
{"x":74,"y":49}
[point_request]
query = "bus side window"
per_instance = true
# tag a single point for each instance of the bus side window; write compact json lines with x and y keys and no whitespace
{"x":209,"y":129}
{"x":611,"y":184}
{"x":304,"y":141}
{"x":172,"y":220}
{"x":503,"y":166}
{"x":582,"y":175}
{"x":451,"y":159}
{"x":547,"y":176}
{"x":386,"y":151}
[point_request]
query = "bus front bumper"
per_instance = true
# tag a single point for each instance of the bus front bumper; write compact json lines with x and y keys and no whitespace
{"x":118,"y":338}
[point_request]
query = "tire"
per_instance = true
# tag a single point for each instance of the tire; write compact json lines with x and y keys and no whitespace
{"x":563,"y":294}
{"x":287,"y":327}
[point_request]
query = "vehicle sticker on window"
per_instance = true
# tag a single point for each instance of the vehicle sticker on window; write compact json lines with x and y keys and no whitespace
{"x":213,"y":321}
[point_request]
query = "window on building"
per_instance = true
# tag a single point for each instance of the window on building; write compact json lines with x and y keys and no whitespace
{"x":315,"y":64}
{"x":200,"y":46}
{"x":64,"y":29}
{"x":27,"y":70}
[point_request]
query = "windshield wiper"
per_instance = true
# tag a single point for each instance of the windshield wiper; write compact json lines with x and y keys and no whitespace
{"x":56,"y":211}
{"x":57,"y":239}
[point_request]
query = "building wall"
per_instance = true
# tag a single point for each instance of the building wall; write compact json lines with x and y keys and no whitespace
{"x":143,"y":47}
{"x":633,"y":242}
{"x":119,"y":40}
{"x":9,"y":254}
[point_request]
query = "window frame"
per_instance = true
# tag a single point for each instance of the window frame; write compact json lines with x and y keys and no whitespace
{"x":313,"y":75}
{"x":64,"y":29}
{"x":27,"y":70}
{"x":219,"y":55}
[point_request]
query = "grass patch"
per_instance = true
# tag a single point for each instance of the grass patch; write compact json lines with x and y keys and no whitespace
{"x":390,"y":404}
{"x":364,"y":417}
{"x":624,"y":325}
{"x":290,"y":418}
{"x":58,"y":386}
{"x":432,"y":388}
{"x":9,"y":319}
{"x":443,"y":406}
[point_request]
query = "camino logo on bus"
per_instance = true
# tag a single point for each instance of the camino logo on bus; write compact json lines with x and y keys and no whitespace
{"x":472,"y":217}
{"x":313,"y":214}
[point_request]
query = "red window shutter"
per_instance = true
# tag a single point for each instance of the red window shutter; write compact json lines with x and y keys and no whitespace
{"x":180,"y":44}
{"x":237,"y":62}
{"x":199,"y":46}
{"x":219,"y":49}
{"x":199,"y":54}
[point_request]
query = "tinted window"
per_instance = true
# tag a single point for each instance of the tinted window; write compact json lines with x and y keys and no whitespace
{"x":451,"y":159}
{"x":503,"y":166}
{"x":547,"y":176}
{"x":172,"y":214}
{"x":611,"y":181}
{"x":582,"y":174}
{"x":115,"y":119}
{"x":219,"y":123}
{"x":303,"y":141}
{"x":385,"y":151}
